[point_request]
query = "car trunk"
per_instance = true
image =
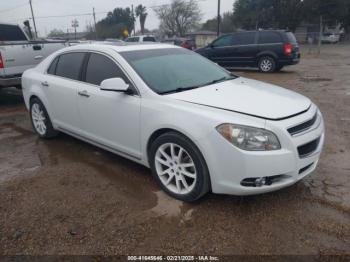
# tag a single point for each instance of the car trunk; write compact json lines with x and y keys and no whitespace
{"x":295,"y":46}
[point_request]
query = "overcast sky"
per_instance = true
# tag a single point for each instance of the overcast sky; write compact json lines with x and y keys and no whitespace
{"x":15,"y":11}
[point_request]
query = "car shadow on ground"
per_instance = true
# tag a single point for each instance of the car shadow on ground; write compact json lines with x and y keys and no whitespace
{"x":134,"y":177}
{"x":10,"y":97}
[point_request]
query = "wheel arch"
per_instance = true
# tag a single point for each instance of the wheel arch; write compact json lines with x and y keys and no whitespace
{"x":266,"y":53}
{"x":157,"y":133}
{"x":33,"y":96}
{"x":45,"y":103}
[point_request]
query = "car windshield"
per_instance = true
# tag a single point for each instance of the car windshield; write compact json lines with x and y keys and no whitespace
{"x":171,"y":70}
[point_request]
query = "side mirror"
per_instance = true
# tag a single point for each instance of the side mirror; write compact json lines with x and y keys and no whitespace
{"x":114,"y":84}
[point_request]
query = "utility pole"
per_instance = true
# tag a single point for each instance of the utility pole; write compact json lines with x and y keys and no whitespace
{"x":320,"y":35}
{"x":93,"y":13}
{"x":219,"y":18}
{"x":31,"y":8}
{"x":133,"y":18}
{"x":75,"y":24}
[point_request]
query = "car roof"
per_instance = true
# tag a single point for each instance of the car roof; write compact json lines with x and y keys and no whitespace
{"x":119,"y":47}
{"x":141,"y":36}
{"x":261,"y":31}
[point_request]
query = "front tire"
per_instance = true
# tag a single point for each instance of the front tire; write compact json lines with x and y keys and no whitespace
{"x":179,"y":167}
{"x":40,"y":119}
{"x":267,"y":64}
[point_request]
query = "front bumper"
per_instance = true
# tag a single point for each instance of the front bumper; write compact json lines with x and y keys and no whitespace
{"x":10,"y":81}
{"x":229,"y":166}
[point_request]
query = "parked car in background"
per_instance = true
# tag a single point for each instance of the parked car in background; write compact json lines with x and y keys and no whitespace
{"x":269,"y":50}
{"x":113,"y":40}
{"x":330,"y":38}
{"x":18,"y":53}
{"x":189,"y":44}
{"x":183,"y":42}
{"x":141,"y":38}
{"x":173,"y":41}
{"x":198,"y":127}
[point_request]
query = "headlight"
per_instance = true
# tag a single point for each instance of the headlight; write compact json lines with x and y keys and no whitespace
{"x":249,"y":138}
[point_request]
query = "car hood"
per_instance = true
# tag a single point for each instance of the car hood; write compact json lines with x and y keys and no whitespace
{"x":249,"y":97}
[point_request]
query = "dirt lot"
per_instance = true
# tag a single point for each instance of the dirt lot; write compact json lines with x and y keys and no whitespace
{"x":64,"y":196}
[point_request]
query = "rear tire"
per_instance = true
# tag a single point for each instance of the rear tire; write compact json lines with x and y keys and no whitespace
{"x":40,"y":119}
{"x":179,"y":167}
{"x":267,"y":64}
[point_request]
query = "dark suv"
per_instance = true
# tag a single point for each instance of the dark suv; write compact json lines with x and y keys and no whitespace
{"x":269,"y":50}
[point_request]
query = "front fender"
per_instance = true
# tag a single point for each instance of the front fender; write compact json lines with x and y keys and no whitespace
{"x":157,"y":116}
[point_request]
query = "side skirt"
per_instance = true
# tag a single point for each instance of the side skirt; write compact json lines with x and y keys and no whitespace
{"x":103,"y":146}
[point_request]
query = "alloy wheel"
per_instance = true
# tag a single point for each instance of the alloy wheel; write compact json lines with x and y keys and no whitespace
{"x":266,"y":65}
{"x":175,"y":168}
{"x":38,"y":117}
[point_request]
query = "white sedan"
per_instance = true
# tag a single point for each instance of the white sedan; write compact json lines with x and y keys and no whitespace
{"x":198,"y":127}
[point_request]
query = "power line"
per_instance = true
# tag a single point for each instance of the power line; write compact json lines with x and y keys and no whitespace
{"x":79,"y":14}
{"x":60,"y":16}
{"x":13,"y":8}
{"x":69,"y":15}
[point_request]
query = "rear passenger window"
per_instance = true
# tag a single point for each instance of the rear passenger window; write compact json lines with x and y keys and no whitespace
{"x":149,"y":39}
{"x":291,"y":37}
{"x":11,"y":33}
{"x":223,"y":41}
{"x":100,"y":68}
{"x":52,"y":68}
{"x":132,"y":39}
{"x":269,"y":38}
{"x":245,"y":38}
{"x":69,"y":65}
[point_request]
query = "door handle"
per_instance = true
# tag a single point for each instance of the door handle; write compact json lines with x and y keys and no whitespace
{"x":38,"y":57}
{"x":45,"y":83}
{"x":37,"y":47}
{"x":84,"y":93}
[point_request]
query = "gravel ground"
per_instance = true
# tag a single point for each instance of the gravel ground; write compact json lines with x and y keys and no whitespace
{"x":64,"y":196}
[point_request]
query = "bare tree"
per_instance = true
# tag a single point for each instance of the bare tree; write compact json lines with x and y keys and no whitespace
{"x":179,"y":17}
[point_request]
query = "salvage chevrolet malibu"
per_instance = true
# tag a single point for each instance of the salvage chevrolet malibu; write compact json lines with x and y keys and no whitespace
{"x":197,"y":126}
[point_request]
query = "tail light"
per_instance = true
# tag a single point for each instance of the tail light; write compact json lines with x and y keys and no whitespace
{"x":1,"y":62}
{"x":287,"y":49}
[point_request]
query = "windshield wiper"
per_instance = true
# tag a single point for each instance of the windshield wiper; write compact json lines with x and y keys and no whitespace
{"x":225,"y":78}
{"x":178,"y":90}
{"x":181,"y":89}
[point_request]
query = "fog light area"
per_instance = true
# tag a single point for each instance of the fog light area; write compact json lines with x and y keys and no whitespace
{"x":262,"y":181}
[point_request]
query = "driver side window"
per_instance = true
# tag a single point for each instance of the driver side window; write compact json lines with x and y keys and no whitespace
{"x":100,"y":67}
{"x":223,"y":41}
